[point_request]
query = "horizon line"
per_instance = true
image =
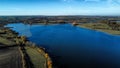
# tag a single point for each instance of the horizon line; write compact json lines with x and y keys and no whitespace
{"x":59,"y":15}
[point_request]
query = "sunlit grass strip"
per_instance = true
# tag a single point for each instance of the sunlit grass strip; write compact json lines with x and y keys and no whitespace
{"x":36,"y":57}
{"x":48,"y":59}
{"x":6,"y":42}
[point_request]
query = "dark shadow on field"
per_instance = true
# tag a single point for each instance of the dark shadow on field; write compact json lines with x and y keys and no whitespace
{"x":2,"y":46}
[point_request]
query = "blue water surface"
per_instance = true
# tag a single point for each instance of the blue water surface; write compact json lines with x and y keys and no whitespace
{"x":74,"y":47}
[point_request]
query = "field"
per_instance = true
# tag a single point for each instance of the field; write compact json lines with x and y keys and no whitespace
{"x":100,"y":27}
{"x":6,"y":42}
{"x":10,"y":58}
{"x":38,"y":60}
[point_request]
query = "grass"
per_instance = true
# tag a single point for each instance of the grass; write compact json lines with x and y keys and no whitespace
{"x":37,"y":58}
{"x":7,"y":38}
{"x":9,"y":35}
{"x":100,"y":27}
{"x":2,"y":31}
{"x":6,"y":42}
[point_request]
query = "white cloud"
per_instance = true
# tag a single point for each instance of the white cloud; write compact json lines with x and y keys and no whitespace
{"x":68,"y":0}
{"x":93,"y":0}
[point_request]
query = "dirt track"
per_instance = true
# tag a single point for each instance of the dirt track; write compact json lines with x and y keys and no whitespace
{"x":10,"y":58}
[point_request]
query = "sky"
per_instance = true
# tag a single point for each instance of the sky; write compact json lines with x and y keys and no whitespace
{"x":60,"y":7}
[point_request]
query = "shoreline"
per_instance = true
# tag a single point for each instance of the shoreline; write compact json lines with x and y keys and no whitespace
{"x":37,"y":48}
{"x":106,"y":30}
{"x":10,"y":36}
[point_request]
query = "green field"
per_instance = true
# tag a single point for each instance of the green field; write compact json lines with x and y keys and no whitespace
{"x":37,"y":58}
{"x":6,"y":42}
{"x":100,"y":27}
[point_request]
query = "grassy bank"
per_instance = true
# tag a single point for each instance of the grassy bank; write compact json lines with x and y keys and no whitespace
{"x":100,"y":27}
{"x":6,"y":42}
{"x":10,"y":56}
{"x":30,"y":56}
{"x":39,"y":61}
{"x":7,"y":37}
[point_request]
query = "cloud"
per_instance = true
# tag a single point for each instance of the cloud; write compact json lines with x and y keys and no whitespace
{"x":11,"y":9}
{"x":113,"y":3}
{"x":68,"y":0}
{"x":93,"y":0}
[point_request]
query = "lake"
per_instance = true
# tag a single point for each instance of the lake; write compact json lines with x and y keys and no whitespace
{"x":74,"y":47}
